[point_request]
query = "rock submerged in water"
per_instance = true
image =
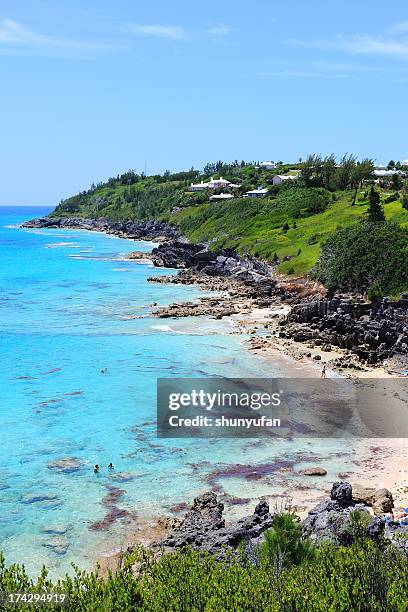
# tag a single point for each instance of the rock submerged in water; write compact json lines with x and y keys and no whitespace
{"x":55,"y":529}
{"x":66,"y":465}
{"x":313,"y":471}
{"x":58,"y":545}
{"x":36,"y":498}
{"x":122,"y":477}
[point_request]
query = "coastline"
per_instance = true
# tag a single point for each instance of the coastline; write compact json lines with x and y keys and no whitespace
{"x":247,"y":316}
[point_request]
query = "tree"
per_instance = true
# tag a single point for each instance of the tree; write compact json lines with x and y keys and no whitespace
{"x":284,"y":544}
{"x":396,"y":182}
{"x":404,"y":200}
{"x":391,"y":164}
{"x":363,"y":171}
{"x":375,"y":209}
{"x":328,"y":172}
{"x":344,"y":172}
{"x":310,"y":167}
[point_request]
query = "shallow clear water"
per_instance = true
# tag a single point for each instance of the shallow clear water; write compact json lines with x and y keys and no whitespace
{"x":67,"y":299}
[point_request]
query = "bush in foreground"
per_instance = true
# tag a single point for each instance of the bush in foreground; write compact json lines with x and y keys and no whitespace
{"x":359,"y":577}
{"x":364,"y":257}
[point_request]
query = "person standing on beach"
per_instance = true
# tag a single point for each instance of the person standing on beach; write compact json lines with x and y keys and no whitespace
{"x":324,"y":372}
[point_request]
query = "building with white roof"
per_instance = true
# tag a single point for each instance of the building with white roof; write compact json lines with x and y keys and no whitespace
{"x":404,"y":162}
{"x":199,"y":186}
{"x":385,"y":173}
{"x":278,"y":179}
{"x":268,"y":165}
{"x":220,"y":183}
{"x":256,"y":193}
{"x":222,"y":196}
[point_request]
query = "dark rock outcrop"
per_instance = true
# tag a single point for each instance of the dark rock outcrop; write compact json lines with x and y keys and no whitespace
{"x":138,"y":230}
{"x":331,"y":519}
{"x":203,"y":527}
{"x":374,"y":332}
{"x":226,"y":263}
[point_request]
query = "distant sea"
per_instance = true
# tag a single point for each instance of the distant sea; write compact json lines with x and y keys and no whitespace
{"x":67,"y":302}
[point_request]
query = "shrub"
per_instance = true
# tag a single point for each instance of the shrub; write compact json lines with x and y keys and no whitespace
{"x":375,"y":292}
{"x":284,"y":544}
{"x":360,"y":577}
{"x":313,"y":239}
{"x":363,"y":256}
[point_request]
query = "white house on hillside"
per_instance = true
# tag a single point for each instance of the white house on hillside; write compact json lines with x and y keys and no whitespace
{"x":220,"y":183}
{"x":404,"y":162}
{"x":198,"y":186}
{"x":384,"y":173}
{"x":268,"y":165}
{"x":222,"y":196}
{"x":256,"y":193}
{"x":278,"y":179}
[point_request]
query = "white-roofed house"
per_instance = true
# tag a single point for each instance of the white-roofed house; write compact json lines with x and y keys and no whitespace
{"x":220,"y":183}
{"x":278,"y":179}
{"x":268,"y":165}
{"x":256,"y":193}
{"x":222,"y":196}
{"x":382,"y":173}
{"x":404,"y":162}
{"x":199,"y":186}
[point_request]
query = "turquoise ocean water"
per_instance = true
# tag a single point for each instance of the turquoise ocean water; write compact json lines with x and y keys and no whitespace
{"x":67,"y":299}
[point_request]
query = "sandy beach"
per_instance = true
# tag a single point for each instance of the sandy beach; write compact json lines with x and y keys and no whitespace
{"x":378,"y":462}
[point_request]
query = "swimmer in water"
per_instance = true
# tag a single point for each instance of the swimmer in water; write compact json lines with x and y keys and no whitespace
{"x":96,"y":468}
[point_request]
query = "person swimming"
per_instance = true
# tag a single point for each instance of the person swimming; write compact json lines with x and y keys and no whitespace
{"x":96,"y":468}
{"x":110,"y":466}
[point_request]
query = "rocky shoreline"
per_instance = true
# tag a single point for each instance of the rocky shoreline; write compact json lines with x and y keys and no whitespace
{"x":156,"y":231}
{"x":203,"y":527}
{"x":356,"y":334}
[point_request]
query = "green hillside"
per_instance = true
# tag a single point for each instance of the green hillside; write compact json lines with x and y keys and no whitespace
{"x":257,"y":227}
{"x":287,"y":226}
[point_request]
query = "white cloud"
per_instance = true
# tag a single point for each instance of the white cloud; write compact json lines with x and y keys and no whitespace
{"x":219,"y":30}
{"x":159,"y":31}
{"x":14,"y":34}
{"x":372,"y":45}
{"x":308,"y":74}
{"x":361,"y":44}
{"x":399,"y":28}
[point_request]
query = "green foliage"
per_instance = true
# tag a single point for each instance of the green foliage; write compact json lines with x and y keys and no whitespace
{"x":284,"y":544}
{"x":375,"y":210}
{"x":363,"y":256}
{"x":359,"y":577}
{"x":375,"y":292}
{"x":309,"y":207}
{"x":326,"y":172}
{"x":405,"y":200}
{"x":354,"y":528}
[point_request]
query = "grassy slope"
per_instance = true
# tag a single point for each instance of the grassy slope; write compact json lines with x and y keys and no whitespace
{"x":248,"y":225}
{"x":243,"y":226}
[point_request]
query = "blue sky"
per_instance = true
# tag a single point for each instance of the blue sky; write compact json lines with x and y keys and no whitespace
{"x":90,"y":88}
